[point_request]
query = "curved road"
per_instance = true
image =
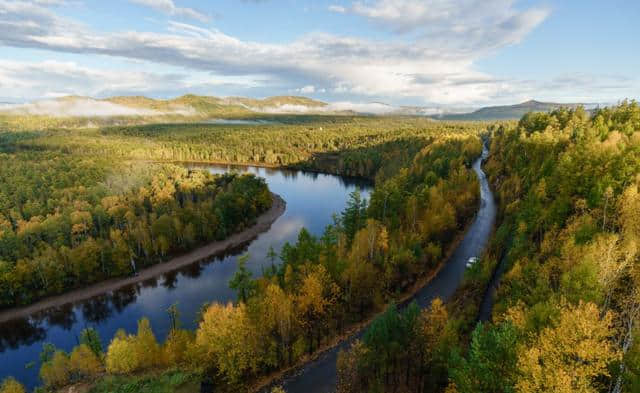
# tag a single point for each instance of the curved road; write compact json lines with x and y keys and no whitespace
{"x":319,"y":376}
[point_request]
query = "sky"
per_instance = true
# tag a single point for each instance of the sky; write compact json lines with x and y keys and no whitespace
{"x":431,"y":53}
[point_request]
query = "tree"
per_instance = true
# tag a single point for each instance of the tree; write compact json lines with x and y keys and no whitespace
{"x":570,"y":356}
{"x":10,"y":385}
{"x":174,"y":317}
{"x":490,"y":365}
{"x":314,"y":300}
{"x":122,"y":355}
{"x":242,"y":281}
{"x":226,"y":342}
{"x":272,"y":256}
{"x":350,"y":378}
{"x":146,"y":346}
{"x":84,"y":363}
{"x":91,"y":338}
{"x":56,"y":373}
{"x":354,"y":215}
{"x":278,"y":319}
{"x":176,"y":347}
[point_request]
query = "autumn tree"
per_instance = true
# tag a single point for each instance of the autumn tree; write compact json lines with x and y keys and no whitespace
{"x":572,"y":355}
{"x":56,"y":372}
{"x":83,"y":362}
{"x":226,"y":342}
{"x":10,"y":385}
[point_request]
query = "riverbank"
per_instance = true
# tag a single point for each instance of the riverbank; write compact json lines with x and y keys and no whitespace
{"x":263,"y":223}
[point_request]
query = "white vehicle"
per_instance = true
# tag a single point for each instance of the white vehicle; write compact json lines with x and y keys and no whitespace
{"x":471,"y":261}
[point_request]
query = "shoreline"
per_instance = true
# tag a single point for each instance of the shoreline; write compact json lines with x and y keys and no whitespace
{"x":263,"y":223}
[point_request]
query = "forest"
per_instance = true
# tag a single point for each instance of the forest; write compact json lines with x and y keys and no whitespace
{"x":317,"y":288}
{"x":71,"y":215}
{"x":68,"y":221}
{"x":565,"y":313}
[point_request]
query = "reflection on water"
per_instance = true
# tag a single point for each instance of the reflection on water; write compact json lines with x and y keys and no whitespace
{"x":311,"y":199}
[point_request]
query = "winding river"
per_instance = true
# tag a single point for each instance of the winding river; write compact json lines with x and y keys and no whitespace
{"x":311,"y":200}
{"x":319,"y":376}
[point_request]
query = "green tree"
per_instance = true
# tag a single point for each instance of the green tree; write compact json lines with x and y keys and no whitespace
{"x":242,"y":280}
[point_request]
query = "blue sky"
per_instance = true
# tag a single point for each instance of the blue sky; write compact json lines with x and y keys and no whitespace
{"x":434,"y":53}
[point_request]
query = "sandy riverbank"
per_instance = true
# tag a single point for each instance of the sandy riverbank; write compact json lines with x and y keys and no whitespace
{"x":263,"y":223}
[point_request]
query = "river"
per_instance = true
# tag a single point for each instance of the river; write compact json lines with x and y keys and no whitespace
{"x":319,"y":376}
{"x":311,"y":199}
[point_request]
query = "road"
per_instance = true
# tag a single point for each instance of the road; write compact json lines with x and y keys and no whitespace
{"x":319,"y":376}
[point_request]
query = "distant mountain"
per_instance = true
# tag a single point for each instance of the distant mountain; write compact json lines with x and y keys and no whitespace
{"x":195,"y":108}
{"x":190,"y":106}
{"x":508,"y":112}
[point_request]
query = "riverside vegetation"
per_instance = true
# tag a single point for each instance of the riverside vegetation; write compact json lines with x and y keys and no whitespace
{"x":565,"y":313}
{"x":321,"y":286}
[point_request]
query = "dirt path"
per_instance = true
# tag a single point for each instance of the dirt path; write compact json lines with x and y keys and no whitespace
{"x":263,"y":223}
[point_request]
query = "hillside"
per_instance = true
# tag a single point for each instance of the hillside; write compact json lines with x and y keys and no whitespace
{"x":189,"y":106}
{"x":507,"y":112}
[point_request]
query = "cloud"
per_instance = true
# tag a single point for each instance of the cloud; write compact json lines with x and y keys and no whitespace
{"x":352,"y":65}
{"x":337,"y":8}
{"x":309,"y":89}
{"x":450,"y":19}
{"x":343,"y":106}
{"x":169,"y":7}
{"x":27,"y":81}
{"x":77,"y":108}
{"x":430,"y":60}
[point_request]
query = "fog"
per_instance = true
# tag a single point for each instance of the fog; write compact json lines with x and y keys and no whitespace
{"x":373,"y":108}
{"x":85,"y":107}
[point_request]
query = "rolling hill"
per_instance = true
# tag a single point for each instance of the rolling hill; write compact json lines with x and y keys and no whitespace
{"x":508,"y":112}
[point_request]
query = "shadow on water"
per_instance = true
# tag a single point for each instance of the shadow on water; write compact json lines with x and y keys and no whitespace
{"x":319,"y":376}
{"x":93,"y":311}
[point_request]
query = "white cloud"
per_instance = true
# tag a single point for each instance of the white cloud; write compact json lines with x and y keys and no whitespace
{"x":357,"y":66}
{"x":309,"y":89}
{"x":431,"y":61}
{"x":169,"y":7}
{"x":449,"y":19}
{"x":77,"y":108}
{"x":343,"y":106}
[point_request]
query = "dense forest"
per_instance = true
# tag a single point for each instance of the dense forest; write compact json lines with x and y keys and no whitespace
{"x":345,"y":145}
{"x":566,"y":312}
{"x":317,"y":288}
{"x":78,"y":206}
{"x":67,"y":221}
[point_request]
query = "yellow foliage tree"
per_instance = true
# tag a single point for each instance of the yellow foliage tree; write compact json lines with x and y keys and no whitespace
{"x":278,"y":318}
{"x":56,"y":372}
{"x":10,"y":385}
{"x":176,"y":346}
{"x":569,"y":357}
{"x":122,"y":356}
{"x":147,"y":349}
{"x":84,"y":362}
{"x":225,"y":339}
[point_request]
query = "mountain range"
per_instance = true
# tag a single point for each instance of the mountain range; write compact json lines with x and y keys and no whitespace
{"x":207,"y":107}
